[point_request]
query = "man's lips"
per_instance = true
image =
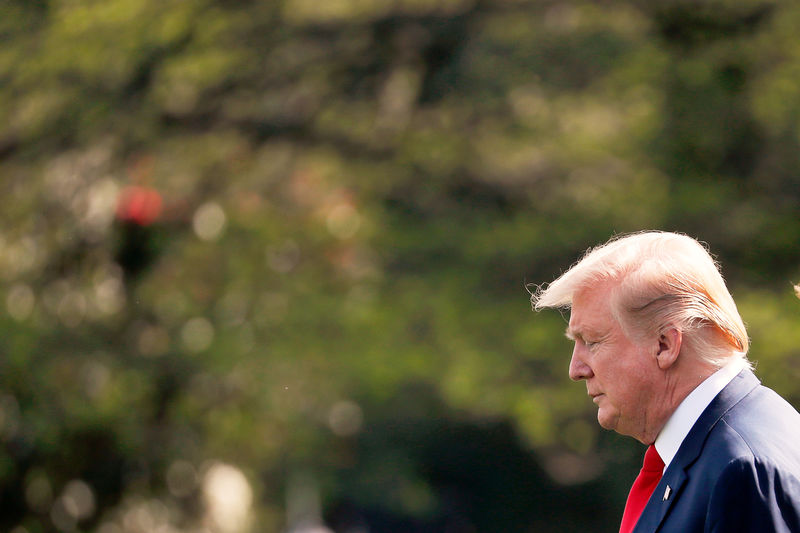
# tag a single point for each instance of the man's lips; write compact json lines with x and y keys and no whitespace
{"x":596,"y":396}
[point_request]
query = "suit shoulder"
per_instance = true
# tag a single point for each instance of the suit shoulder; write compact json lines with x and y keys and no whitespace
{"x":763,"y":427}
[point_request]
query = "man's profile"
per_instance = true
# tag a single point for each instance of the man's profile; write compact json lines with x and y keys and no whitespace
{"x":663,"y":351}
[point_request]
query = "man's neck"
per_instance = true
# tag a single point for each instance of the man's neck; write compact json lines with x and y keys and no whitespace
{"x":679,"y":381}
{"x":689,"y":410}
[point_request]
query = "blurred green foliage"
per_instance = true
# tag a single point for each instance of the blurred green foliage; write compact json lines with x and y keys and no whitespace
{"x":328,"y":317}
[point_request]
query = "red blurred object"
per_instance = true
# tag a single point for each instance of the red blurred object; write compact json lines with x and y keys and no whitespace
{"x":139,"y":205}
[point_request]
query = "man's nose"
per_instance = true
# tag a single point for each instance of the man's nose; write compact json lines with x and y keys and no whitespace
{"x":578,"y":369}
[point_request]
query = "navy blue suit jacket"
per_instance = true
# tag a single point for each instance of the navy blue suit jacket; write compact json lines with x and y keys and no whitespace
{"x":738,"y":469}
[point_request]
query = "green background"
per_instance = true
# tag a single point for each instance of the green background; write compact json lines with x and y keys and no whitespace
{"x":328,"y":321}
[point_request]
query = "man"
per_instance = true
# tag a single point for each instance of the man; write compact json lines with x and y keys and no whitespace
{"x":663,"y":351}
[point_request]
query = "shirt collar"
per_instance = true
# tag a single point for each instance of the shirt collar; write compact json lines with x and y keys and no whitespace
{"x":680,"y":423}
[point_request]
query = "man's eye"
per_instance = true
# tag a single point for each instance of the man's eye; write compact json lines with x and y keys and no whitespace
{"x":590,"y":344}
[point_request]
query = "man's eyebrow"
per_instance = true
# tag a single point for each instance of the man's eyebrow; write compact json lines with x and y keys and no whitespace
{"x":572,"y":334}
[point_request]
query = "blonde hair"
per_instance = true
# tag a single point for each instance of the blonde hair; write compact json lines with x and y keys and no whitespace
{"x":660,"y":280}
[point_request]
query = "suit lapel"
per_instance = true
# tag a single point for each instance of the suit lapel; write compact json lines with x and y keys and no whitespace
{"x":678,"y":471}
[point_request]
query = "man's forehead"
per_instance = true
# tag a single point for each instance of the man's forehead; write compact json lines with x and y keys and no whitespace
{"x":590,"y":298}
{"x":590,"y":312}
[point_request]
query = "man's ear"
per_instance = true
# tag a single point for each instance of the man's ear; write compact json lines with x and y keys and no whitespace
{"x":669,"y":346}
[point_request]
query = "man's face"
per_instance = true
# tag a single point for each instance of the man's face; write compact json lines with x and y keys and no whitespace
{"x":621,"y":374}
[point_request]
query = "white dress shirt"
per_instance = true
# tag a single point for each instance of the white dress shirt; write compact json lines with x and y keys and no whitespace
{"x":690,"y":409}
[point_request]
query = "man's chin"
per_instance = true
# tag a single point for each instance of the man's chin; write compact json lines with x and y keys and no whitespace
{"x":606,"y":421}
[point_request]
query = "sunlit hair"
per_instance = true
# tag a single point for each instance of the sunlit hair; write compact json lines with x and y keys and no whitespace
{"x":659,"y":280}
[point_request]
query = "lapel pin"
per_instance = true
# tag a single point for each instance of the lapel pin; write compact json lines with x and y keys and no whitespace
{"x":667,"y":492}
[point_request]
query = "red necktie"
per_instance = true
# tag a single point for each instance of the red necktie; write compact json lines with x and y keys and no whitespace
{"x":642,"y":488}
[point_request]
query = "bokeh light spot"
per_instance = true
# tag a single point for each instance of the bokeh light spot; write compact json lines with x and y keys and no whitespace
{"x":20,"y":301}
{"x":109,"y":295}
{"x":345,"y":418}
{"x":197,"y":334}
{"x":343,"y":221}
{"x":78,"y":500}
{"x":209,"y":221}
{"x":228,"y":497}
{"x":38,"y":492}
{"x":283,"y":258}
